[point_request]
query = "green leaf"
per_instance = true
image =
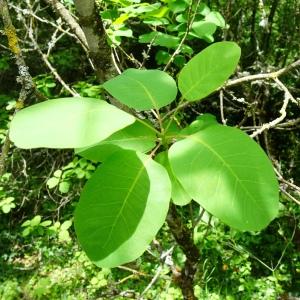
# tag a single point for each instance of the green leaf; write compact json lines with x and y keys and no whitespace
{"x":208,"y":70}
{"x":137,"y":137}
{"x":67,"y":123}
{"x":26,"y":223}
{"x":64,"y":236}
{"x":26,"y":231}
{"x":159,"y":39}
{"x":228,"y":174}
{"x":57,"y":173}
{"x":203,"y":28}
{"x":121,"y":208}
{"x":200,"y":123}
{"x":143,"y":89}
{"x":178,"y":6}
{"x":35,"y":221}
{"x":46,"y":223}
{"x":203,"y":9}
{"x":66,"y":225}
{"x":52,"y":182}
{"x":64,"y":187}
{"x":162,"y":57}
{"x":178,"y":195}
{"x":123,"y":32}
{"x":216,"y":18}
{"x":6,"y":208}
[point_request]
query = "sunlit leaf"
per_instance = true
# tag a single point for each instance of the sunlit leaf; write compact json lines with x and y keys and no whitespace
{"x":67,"y":123}
{"x":178,"y":195}
{"x":142,"y":89}
{"x":208,"y":70}
{"x":137,"y":137}
{"x":121,"y":208}
{"x":228,"y":174}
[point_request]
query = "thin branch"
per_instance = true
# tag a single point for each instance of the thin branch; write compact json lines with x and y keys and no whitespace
{"x":69,"y":20}
{"x":221,"y":97}
{"x":45,"y":59}
{"x":233,"y":82}
{"x":24,"y":78}
{"x":262,"y":76}
{"x":42,"y":20}
{"x":290,"y":196}
{"x":152,"y":282}
{"x":287,"y":97}
{"x":191,"y":18}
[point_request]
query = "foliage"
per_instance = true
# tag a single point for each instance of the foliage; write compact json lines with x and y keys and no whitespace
{"x":125,"y":202}
{"x":48,"y":263}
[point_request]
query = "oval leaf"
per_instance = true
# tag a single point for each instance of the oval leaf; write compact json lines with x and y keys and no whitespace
{"x":143,"y":89}
{"x":178,"y":195}
{"x":121,"y":208}
{"x":203,"y":28}
{"x":208,"y":70}
{"x":67,"y":123}
{"x":137,"y":137}
{"x":228,"y":174}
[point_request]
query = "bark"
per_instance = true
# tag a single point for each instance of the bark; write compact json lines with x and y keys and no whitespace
{"x":69,"y":20}
{"x":99,"y":50}
{"x":183,"y":236}
{"x":24,"y":78}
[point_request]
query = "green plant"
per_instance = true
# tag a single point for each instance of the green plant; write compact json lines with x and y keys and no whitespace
{"x":166,"y":23}
{"x":7,"y":204}
{"x":36,"y":226}
{"x":125,"y":202}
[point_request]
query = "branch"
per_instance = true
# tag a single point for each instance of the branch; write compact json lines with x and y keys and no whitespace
{"x":191,"y":18}
{"x":262,"y":76}
{"x":69,"y":20}
{"x":49,"y":65}
{"x":93,"y":28}
{"x":183,"y":236}
{"x":287,"y":97}
{"x":24,"y":78}
{"x":237,"y":81}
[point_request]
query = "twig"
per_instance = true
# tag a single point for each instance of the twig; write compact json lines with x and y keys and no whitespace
{"x":48,"y":64}
{"x":287,"y":97}
{"x":69,"y":20}
{"x":221,"y":97}
{"x":190,"y":22}
{"x":42,"y":20}
{"x":262,"y":76}
{"x":290,"y":184}
{"x":133,"y":271}
{"x":289,"y":195}
{"x":93,"y":29}
{"x":24,"y":78}
{"x":152,"y":282}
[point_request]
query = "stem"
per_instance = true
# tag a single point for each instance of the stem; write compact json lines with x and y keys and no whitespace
{"x":149,"y":126}
{"x":183,"y":236}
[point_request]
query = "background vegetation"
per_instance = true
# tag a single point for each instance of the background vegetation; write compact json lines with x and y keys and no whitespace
{"x":39,"y":255}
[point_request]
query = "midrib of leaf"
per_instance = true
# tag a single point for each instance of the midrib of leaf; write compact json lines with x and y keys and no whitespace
{"x":137,"y":138}
{"x":224,"y":162}
{"x":146,"y":91}
{"x":124,"y":203}
{"x":197,"y":82}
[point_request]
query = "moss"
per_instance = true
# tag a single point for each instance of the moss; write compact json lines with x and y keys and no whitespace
{"x":11,"y":34}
